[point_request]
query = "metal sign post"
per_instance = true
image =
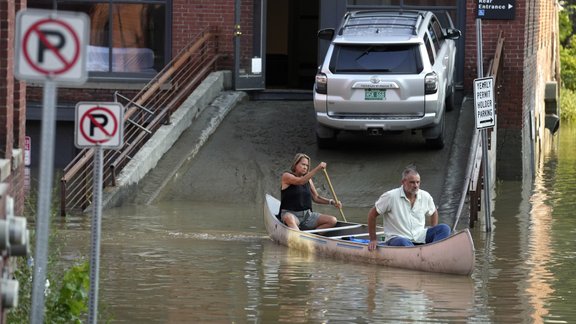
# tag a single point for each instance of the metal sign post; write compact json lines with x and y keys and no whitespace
{"x":50,"y":47}
{"x":44,"y":198}
{"x":96,"y":229}
{"x":98,"y":125}
{"x":483,"y":104}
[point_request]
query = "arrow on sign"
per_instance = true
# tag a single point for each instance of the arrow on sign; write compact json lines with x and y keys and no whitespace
{"x":490,"y":121}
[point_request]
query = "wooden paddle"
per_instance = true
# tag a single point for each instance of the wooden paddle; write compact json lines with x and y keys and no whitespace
{"x":334,"y":193}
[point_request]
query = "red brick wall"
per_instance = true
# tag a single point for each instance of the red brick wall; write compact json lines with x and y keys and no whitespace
{"x":528,"y":62}
{"x":190,"y":17}
{"x":74,"y":95}
{"x":509,"y":94}
{"x":7,"y":17}
{"x":12,"y":113}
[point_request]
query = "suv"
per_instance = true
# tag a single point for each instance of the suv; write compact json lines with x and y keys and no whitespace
{"x":386,"y":71}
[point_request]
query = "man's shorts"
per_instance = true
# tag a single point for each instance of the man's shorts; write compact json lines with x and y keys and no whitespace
{"x":307,"y":219}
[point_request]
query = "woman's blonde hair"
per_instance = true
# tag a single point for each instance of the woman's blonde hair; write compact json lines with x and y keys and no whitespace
{"x":297,"y":158}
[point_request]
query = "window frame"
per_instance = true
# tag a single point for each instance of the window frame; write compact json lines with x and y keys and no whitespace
{"x":120,"y":76}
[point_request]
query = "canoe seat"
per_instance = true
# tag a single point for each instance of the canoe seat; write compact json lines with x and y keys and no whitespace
{"x":321,"y":230}
{"x":354,"y":235}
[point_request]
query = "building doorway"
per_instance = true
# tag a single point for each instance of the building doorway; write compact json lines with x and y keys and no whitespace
{"x":291,"y":43}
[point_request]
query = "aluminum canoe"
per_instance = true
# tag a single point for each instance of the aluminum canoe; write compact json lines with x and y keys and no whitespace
{"x":347,"y":241}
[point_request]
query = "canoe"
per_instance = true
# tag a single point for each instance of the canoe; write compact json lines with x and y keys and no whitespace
{"x":348,"y":241}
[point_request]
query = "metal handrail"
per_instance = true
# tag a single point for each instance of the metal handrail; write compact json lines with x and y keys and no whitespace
{"x":143,"y":116}
{"x":474,"y":173}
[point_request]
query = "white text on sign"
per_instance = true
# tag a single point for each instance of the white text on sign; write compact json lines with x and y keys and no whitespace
{"x":484,"y":102}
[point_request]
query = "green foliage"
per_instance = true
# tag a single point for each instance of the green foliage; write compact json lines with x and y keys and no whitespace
{"x":568,"y":63}
{"x":70,"y":303}
{"x":66,"y":297}
{"x":567,"y":105}
{"x":565,"y":24}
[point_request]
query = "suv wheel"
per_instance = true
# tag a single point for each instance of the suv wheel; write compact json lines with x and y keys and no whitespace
{"x":451,"y":98}
{"x":438,"y":142}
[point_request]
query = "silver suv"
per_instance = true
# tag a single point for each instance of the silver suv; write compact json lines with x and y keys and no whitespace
{"x":386,"y":71}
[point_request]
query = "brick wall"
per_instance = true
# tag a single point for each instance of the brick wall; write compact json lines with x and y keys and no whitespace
{"x":71,"y":96}
{"x":527,"y":63}
{"x":190,"y":17}
{"x":12,"y":121}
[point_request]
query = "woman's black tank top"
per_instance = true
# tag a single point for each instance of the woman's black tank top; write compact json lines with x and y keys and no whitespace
{"x":296,"y":198}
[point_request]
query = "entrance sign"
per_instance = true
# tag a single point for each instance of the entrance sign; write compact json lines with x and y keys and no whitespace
{"x":496,"y":9}
{"x":51,"y":45}
{"x":99,"y":124}
{"x":484,"y":102}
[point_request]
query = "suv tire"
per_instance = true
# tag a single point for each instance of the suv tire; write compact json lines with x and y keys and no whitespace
{"x":438,"y":142}
{"x":451,"y":98}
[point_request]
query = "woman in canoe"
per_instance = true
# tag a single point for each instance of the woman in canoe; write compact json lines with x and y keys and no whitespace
{"x":298,"y":192}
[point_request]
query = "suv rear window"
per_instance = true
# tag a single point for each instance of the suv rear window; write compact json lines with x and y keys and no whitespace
{"x":370,"y":59}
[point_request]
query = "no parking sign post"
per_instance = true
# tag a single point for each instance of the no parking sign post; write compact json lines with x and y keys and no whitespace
{"x":50,"y":47}
{"x":98,"y":126}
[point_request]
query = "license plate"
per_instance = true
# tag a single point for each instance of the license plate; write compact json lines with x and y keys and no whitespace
{"x":374,"y":94}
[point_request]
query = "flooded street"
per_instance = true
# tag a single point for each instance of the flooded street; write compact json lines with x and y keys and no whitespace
{"x":200,"y":253}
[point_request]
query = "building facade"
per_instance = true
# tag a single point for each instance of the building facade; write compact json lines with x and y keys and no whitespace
{"x":12,"y":148}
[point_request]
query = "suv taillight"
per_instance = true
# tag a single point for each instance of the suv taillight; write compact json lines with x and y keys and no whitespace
{"x":321,"y":84}
{"x":431,"y":83}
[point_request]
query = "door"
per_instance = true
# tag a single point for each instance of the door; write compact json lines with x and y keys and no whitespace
{"x":249,"y":44}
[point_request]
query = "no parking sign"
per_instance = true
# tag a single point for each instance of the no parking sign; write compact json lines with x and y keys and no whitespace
{"x":51,"y":45}
{"x":99,"y":124}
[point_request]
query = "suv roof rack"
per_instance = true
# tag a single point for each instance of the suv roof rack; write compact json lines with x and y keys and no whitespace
{"x":403,"y":19}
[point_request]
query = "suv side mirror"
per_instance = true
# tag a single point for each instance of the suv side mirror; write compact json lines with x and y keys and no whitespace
{"x":326,"y":34}
{"x":453,"y":33}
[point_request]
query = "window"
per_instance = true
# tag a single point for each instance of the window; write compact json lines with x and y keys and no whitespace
{"x":402,"y":59}
{"x":429,"y":49}
{"x":435,"y":36}
{"x":127,"y":39}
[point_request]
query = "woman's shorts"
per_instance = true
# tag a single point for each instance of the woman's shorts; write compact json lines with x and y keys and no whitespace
{"x":306,"y":219}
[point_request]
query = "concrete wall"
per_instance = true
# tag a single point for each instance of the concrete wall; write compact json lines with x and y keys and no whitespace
{"x":183,"y":118}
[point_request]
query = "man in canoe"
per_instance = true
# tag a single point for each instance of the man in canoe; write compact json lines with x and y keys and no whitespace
{"x":298,"y":192}
{"x":404,"y":210}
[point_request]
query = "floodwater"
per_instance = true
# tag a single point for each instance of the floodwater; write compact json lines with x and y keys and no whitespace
{"x":178,"y":262}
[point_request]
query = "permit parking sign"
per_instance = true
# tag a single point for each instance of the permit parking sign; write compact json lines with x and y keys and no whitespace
{"x":99,"y":124}
{"x":51,"y":45}
{"x":484,"y":102}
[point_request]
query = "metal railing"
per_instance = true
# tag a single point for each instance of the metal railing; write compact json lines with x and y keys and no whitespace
{"x":475,"y":176}
{"x":143,"y":115}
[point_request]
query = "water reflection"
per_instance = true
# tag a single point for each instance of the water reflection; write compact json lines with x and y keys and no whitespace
{"x":189,"y":262}
{"x":525,"y":264}
{"x":310,"y":289}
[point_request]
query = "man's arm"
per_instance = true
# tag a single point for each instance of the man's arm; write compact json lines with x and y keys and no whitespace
{"x":372,"y":215}
{"x":434,"y":218}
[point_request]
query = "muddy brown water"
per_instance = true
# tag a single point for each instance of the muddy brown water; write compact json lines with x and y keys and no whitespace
{"x":200,"y":254}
